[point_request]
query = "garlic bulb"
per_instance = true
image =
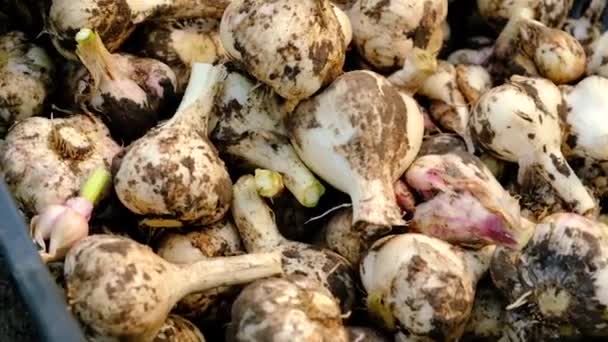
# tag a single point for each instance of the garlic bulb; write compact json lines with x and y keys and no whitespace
{"x":359,"y":135}
{"x":281,"y":310}
{"x":129,"y":91}
{"x":26,"y":73}
{"x":441,"y":144}
{"x":384,"y":32}
{"x":519,"y":122}
{"x":181,"y":43}
{"x":248,"y":125}
{"x":472,"y":80}
{"x":219,"y":239}
{"x":582,"y":30}
{"x":471,"y":56}
{"x":258,"y":231}
{"x":422,"y":286}
{"x":552,"y":13}
{"x":463,"y":202}
{"x":597,"y":62}
{"x":45,"y":161}
{"x":487,"y":318}
{"x":178,"y":329}
{"x":539,"y":50}
{"x":121,"y":288}
{"x":115,"y":20}
{"x":559,"y":275}
{"x":295,"y":47}
{"x":174,"y":171}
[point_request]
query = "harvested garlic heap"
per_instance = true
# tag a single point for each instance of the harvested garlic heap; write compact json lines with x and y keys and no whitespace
{"x":314,"y":170}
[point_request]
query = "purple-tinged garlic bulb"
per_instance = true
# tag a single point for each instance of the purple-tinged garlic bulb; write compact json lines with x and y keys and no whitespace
{"x":463,"y":202}
{"x":295,"y":47}
{"x":259,"y":233}
{"x":64,"y":225}
{"x":120,"y":288}
{"x":219,"y":239}
{"x":131,"y":92}
{"x":539,"y":50}
{"x":247,"y":124}
{"x":115,"y":20}
{"x":559,"y":277}
{"x":286,"y":310}
{"x":384,"y":32}
{"x":360,"y":135}
{"x":552,"y":13}
{"x":181,"y":43}
{"x":519,"y":121}
{"x":26,"y":73}
{"x":422,"y":287}
{"x":46,"y":161}
{"x":174,"y":171}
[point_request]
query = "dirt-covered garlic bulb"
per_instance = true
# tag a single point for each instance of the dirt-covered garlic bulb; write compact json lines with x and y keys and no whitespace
{"x":384,"y":32}
{"x":116,"y":20}
{"x":178,"y":329}
{"x":441,"y":144}
{"x":519,"y":121}
{"x":26,"y":73}
{"x":258,"y":231}
{"x":471,"y":56}
{"x":120,"y":288}
{"x":488,"y":316}
{"x":559,"y":277}
{"x":181,"y":43}
{"x":130,"y":92}
{"x":174,"y":171}
{"x":247,"y":125}
{"x":528,"y":46}
{"x":422,"y":287}
{"x":219,"y":239}
{"x":472,"y":81}
{"x":598,"y":62}
{"x":46,"y":161}
{"x":463,"y":202}
{"x":286,"y":310}
{"x":552,"y":13}
{"x":295,"y":47}
{"x":359,"y":135}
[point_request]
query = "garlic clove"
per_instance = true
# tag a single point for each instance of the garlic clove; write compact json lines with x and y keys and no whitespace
{"x":279,"y":45}
{"x":359,"y":121}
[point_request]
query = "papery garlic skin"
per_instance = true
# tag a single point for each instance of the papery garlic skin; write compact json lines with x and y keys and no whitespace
{"x":295,"y":47}
{"x":359,"y":135}
{"x":552,"y":13}
{"x":384,"y":32}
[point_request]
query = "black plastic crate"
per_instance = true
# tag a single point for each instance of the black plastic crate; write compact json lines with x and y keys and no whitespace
{"x":47,"y":308}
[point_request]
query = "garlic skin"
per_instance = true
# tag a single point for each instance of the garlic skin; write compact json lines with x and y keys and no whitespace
{"x":218,"y":239}
{"x":472,"y":80}
{"x":471,"y":56}
{"x":359,"y":121}
{"x":582,"y":30}
{"x":441,"y":144}
{"x":487,"y":318}
{"x":567,"y":250}
{"x":174,"y":171}
{"x":257,"y":228}
{"x":247,"y":124}
{"x":281,"y":310}
{"x":26,"y":75}
{"x":178,"y":329}
{"x":181,"y":43}
{"x":519,"y":122}
{"x":463,"y":202}
{"x":539,"y":50}
{"x":45,"y":161}
{"x":116,"y":20}
{"x":422,"y":286}
{"x":120,"y":288}
{"x":587,"y":129}
{"x":131,"y":92}
{"x":552,"y":13}
{"x":295,"y":47}
{"x":384,"y":32}
{"x":449,"y":108}
{"x":597,"y":62}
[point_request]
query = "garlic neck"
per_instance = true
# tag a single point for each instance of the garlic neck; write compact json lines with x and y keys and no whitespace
{"x":96,"y":58}
{"x":417,"y":67}
{"x":197,"y":103}
{"x":253,"y":218}
{"x":223,"y":271}
{"x":374,"y":203}
{"x":505,"y":43}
